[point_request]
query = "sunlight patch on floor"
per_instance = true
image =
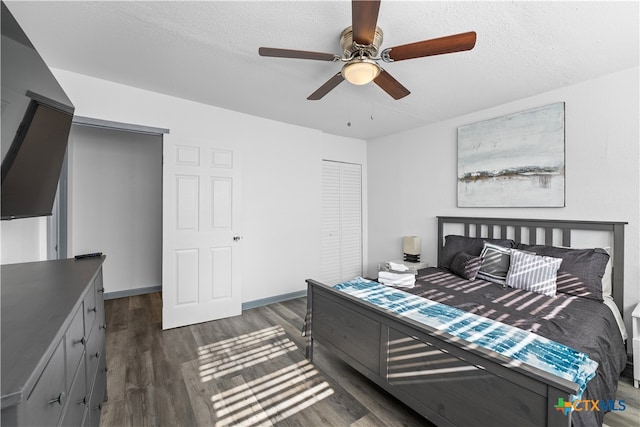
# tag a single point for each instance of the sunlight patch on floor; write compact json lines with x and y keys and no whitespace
{"x":235,"y":354}
{"x":270,"y":398}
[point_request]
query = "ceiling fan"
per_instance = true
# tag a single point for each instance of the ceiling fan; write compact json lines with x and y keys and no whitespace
{"x":360,"y":43}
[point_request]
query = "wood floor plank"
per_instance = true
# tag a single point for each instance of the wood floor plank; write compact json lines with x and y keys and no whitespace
{"x":183,"y":343}
{"x":246,"y":370}
{"x":138,"y":371}
{"x":138,"y":301}
{"x":199,"y":393}
{"x":293,"y":329}
{"x":285,"y":311}
{"x":165,"y":410}
{"x":209,"y":332}
{"x":630,"y":417}
{"x":113,"y":414}
{"x":117,"y":313}
{"x":165,"y":363}
{"x":368,"y":420}
{"x":116,"y":361}
{"x":173,"y":405}
{"x":155,"y":300}
{"x":139,"y":407}
{"x":139,"y":328}
{"x":244,"y":411}
{"x":297,"y":306}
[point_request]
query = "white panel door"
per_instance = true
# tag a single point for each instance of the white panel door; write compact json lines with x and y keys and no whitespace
{"x":200,"y":268}
{"x":341,"y":255}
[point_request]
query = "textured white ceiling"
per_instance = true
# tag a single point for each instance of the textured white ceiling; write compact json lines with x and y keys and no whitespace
{"x":207,"y":51}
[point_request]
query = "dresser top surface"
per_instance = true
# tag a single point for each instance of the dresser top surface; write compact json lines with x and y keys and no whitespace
{"x":38,"y":301}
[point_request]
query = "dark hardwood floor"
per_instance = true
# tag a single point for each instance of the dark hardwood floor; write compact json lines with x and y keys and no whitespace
{"x":245,"y":370}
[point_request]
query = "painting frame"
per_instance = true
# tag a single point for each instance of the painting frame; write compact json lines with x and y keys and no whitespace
{"x":515,"y":160}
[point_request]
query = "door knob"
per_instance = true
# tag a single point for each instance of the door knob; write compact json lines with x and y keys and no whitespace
{"x":236,"y":238}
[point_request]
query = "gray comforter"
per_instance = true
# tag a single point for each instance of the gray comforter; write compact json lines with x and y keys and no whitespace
{"x":583,"y":324}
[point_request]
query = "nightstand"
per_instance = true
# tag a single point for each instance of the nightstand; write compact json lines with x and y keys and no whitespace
{"x":413,"y":266}
{"x":635,"y":326}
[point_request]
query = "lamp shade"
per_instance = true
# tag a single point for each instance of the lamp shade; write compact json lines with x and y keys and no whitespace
{"x":411,"y":245}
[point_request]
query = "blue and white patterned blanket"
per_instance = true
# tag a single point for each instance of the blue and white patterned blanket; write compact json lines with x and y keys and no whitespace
{"x":517,"y":344}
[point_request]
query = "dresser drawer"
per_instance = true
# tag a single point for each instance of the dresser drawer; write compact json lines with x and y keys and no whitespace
{"x":90,"y":309}
{"x":98,"y":394}
{"x":78,"y":398}
{"x":74,"y":342}
{"x":46,"y":401}
{"x":100,"y":316}
{"x":99,"y":285}
{"x":95,"y":348}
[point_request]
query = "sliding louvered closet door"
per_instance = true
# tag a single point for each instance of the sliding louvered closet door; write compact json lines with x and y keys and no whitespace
{"x":341,"y":222}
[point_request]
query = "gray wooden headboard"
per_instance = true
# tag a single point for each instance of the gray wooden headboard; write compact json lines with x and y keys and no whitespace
{"x":516,"y":229}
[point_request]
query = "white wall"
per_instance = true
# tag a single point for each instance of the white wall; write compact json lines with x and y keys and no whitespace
{"x":23,"y":240}
{"x":281,"y":173}
{"x":415,"y":172}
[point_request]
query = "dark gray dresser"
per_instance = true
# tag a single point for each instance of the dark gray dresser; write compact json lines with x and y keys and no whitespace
{"x":53,"y":329}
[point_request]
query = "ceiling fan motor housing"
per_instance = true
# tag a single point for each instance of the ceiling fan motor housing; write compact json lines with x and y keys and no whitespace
{"x":351,"y":48}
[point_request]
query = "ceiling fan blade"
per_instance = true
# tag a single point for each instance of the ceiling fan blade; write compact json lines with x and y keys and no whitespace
{"x":448,"y":44}
{"x":391,"y":85}
{"x":297,"y":54}
{"x":364,"y":18}
{"x":327,"y":87}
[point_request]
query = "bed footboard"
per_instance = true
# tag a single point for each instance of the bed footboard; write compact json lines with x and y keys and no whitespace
{"x":437,"y":375}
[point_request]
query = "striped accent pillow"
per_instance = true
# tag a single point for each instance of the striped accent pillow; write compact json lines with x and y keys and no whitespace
{"x":535,"y":273}
{"x":495,"y":264}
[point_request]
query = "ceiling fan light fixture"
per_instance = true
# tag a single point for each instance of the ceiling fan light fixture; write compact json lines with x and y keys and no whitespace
{"x":360,"y":71}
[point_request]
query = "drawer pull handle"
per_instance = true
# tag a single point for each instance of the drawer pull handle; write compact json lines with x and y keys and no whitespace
{"x":94,"y":309}
{"x":80,"y":341}
{"x":83,"y":400}
{"x":96,"y":355}
{"x":103,"y":327}
{"x":60,"y":399}
{"x":101,"y":290}
{"x":99,"y":407}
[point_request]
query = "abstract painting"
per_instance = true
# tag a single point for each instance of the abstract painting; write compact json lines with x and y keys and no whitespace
{"x":513,"y":161}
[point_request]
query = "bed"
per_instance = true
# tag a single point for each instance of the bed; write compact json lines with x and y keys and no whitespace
{"x":452,"y":380}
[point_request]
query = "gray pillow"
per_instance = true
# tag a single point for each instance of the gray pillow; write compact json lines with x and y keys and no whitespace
{"x":581,"y":270}
{"x":495,"y":264}
{"x":466,"y":266}
{"x":534,"y":273}
{"x":454,"y":244}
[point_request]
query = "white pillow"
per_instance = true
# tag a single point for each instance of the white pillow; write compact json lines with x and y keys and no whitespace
{"x":534,"y":273}
{"x":608,"y":301}
{"x":606,"y":279}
